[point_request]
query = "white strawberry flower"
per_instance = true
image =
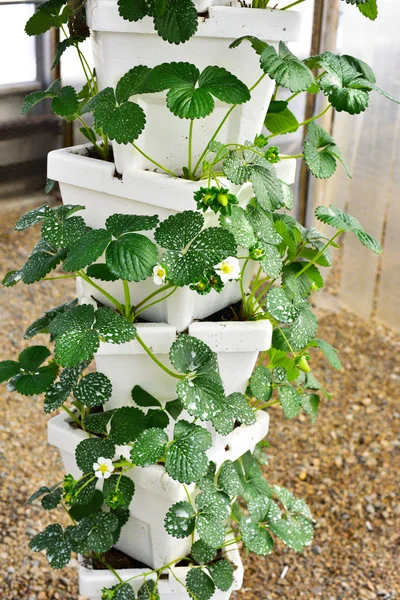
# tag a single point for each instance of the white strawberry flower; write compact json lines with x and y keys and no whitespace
{"x":228,"y":269}
{"x":103,"y":468}
{"x":159,"y":275}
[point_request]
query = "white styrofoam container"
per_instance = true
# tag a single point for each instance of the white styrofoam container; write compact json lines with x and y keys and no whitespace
{"x":144,"y":536}
{"x":92,"y":582}
{"x":118,"y":45}
{"x":236,"y":343}
{"x":92,"y":183}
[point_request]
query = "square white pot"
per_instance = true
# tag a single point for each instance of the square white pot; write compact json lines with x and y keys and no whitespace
{"x":118,"y":45}
{"x":144,"y":537}
{"x":91,"y":582}
{"x":92,"y":183}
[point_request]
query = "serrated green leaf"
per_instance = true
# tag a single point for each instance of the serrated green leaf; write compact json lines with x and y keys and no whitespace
{"x":271,"y":262}
{"x":148,"y":591}
{"x":240,"y":226}
{"x":199,"y":585}
{"x":290,"y":401}
{"x":157,"y":418}
{"x":340,"y":220}
{"x":321,"y":152}
{"x":88,"y":451}
{"x":203,"y":396}
{"x":303,"y":328}
{"x":41,"y":324}
{"x":97,"y":422}
{"x":87,"y":250}
{"x":122,"y":591}
{"x":180,"y":520}
{"x":279,"y":119}
{"x":340,"y":84}
{"x":143,"y":398}
{"x":118,"y":490}
{"x":310,"y":404}
{"x":330,"y":353}
{"x":256,"y":44}
{"x":119,"y":224}
{"x":33,"y":217}
{"x":101,"y":272}
{"x":369,"y":8}
{"x":41,"y":262}
{"x":222,"y":574}
{"x":294,"y":532}
{"x":132,"y":83}
{"x":100,"y":538}
{"x":279,"y":306}
{"x":223,"y":85}
{"x":266,"y":185}
{"x":190,"y":355}
{"x":255,"y":538}
{"x":122,"y":123}
{"x":202,"y":553}
{"x":52,"y":500}
{"x":127,"y":424}
{"x":112,"y":327}
{"x":132,"y":257}
{"x":47,"y":16}
{"x":60,"y":390}
{"x":177,"y":231}
{"x":66,"y":103}
{"x":76,"y":341}
{"x":286,"y":69}
{"x":187,"y":102}
{"x":174,"y":408}
{"x":62,"y":232}
{"x":176,"y":21}
{"x":214,"y":509}
{"x":93,"y":390}
{"x":133,"y":11}
{"x":37,"y":382}
{"x":261,"y":384}
{"x":58,"y":549}
{"x":149,"y":447}
{"x":263,"y":225}
{"x":186,"y":458}
{"x":61,"y":48}
{"x":235,"y":170}
{"x":229,"y":480}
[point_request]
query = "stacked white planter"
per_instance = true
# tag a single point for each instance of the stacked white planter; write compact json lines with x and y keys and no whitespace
{"x":119,"y":45}
{"x":133,"y":186}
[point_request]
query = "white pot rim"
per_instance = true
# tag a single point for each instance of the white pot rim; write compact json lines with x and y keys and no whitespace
{"x":224,"y":22}
{"x":234,"y":336}
{"x":159,"y":337}
{"x":73,"y":166}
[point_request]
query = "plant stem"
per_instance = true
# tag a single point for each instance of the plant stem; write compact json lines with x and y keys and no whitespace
{"x":263,"y":406}
{"x":155,"y":293}
{"x":165,"y":169}
{"x":287,"y":157}
{"x":216,"y":132}
{"x":293,"y":4}
{"x":59,"y":277}
{"x":241,"y":281}
{"x":320,"y":253}
{"x":114,"y":301}
{"x":155,"y":359}
{"x":190,"y":148}
{"x":127,"y":296}
{"x":72,"y":415}
{"x":306,"y":122}
{"x":156,"y":302}
{"x":109,"y":567}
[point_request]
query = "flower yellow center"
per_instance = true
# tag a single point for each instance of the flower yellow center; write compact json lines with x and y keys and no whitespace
{"x":160,"y":273}
{"x":104,"y":468}
{"x":226,"y":268}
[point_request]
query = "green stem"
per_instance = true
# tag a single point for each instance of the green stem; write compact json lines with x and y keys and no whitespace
{"x":156,"y":302}
{"x":67,"y":511}
{"x":267,"y":405}
{"x":165,"y":169}
{"x":320,"y":253}
{"x":190,"y":148}
{"x":72,"y":415}
{"x":306,"y":122}
{"x":155,"y":359}
{"x":293,"y":4}
{"x":289,"y":156}
{"x":127,"y":296}
{"x":108,"y":566}
{"x":155,"y":293}
{"x":220,"y":126}
{"x":60,"y":277}
{"x":241,"y":281}
{"x":111,"y":298}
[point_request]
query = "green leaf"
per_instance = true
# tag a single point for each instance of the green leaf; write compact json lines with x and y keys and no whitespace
{"x":66,"y":103}
{"x":341,"y":84}
{"x":202,"y":553}
{"x":263,"y":225}
{"x":237,"y":172}
{"x":271,"y":262}
{"x":52,"y":500}
{"x":27,"y":375}
{"x":112,"y":327}
{"x":47,"y":16}
{"x":76,"y":341}
{"x":223,"y":85}
{"x":127,"y":424}
{"x":93,"y":390}
{"x":190,"y":355}
{"x":229,"y":480}
{"x":88,"y":451}
{"x":122,"y":592}
{"x":61,"y":48}
{"x":118,"y":490}
{"x":41,"y":324}
{"x":100,"y":538}
{"x":240,"y":226}
{"x":310,"y":404}
{"x":214,"y":509}
{"x":330,"y":353}
{"x":256,"y":44}
{"x":132,"y":257}
{"x":61,"y":232}
{"x":133,"y":11}
{"x":286,"y":69}
{"x":303,"y":329}
{"x":174,"y":408}
{"x":266,"y":185}
{"x":122,"y":123}
{"x":180,"y":520}
{"x":321,"y":152}
{"x":261,"y":384}
{"x":12,"y":278}
{"x":143,"y":398}
{"x":97,"y":422}
{"x":149,"y":447}
{"x":59,"y":392}
{"x":101,"y":272}
{"x":42,"y":260}
{"x":58,"y":549}
{"x":252,"y":479}
{"x":222,"y":574}
{"x":87,"y":250}
{"x":119,"y":224}
{"x":199,"y":585}
{"x":340,"y":220}
{"x":255,"y":538}
{"x":176,"y":232}
{"x":369,"y":9}
{"x":132,"y":83}
{"x":176,"y":20}
{"x":240,"y":408}
{"x":279,"y":306}
{"x":279,"y":119}
{"x":33,"y":217}
{"x":186,"y":458}
{"x":290,"y":401}
{"x":294,"y":532}
{"x":148,"y":591}
{"x":157,"y":418}
{"x":187,"y":102}
{"x":203,"y":396}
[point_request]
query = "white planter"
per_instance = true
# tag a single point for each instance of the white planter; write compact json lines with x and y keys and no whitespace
{"x":119,"y":45}
{"x":91,"y":183}
{"x":144,"y":537}
{"x":92,"y":582}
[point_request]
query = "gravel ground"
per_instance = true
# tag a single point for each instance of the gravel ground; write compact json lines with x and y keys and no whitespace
{"x":346,"y":466}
